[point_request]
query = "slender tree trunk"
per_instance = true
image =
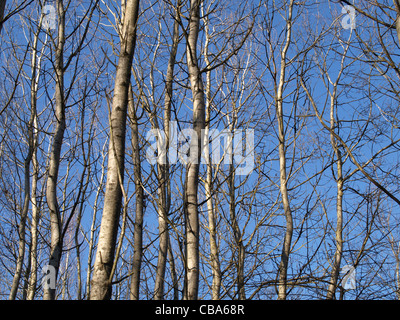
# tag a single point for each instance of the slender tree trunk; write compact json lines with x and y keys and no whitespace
{"x":163,"y":234}
{"x":78,"y":260}
{"x":101,"y":282}
{"x":163,"y":239}
{"x":77,"y":228}
{"x":214,"y":253}
{"x":339,"y":205}
{"x":34,"y":223}
{"x":164,"y":191}
{"x":162,"y":229}
{"x":283,"y":266}
{"x":51,"y":191}
{"x":138,"y":228}
{"x":174,"y":276}
{"x":208,"y":186}
{"x":287,"y":211}
{"x":236,"y":231}
{"x":35,"y":216}
{"x":237,"y":234}
{"x":191,"y":200}
{"x":339,"y":230}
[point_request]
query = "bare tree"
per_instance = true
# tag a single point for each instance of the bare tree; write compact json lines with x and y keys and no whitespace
{"x":164,"y":190}
{"x":191,"y":188}
{"x":283,"y":267}
{"x":138,"y":229}
{"x":208,"y":185}
{"x":101,"y":282}
{"x":52,"y":181}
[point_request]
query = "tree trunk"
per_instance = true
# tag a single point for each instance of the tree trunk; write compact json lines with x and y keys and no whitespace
{"x":239,"y":254}
{"x":163,"y":241}
{"x":34,"y":223}
{"x":191,"y":200}
{"x":163,"y":233}
{"x":101,"y":282}
{"x":339,"y":203}
{"x":208,"y":185}
{"x":138,"y":228}
{"x":283,"y":266}
{"x":214,"y":253}
{"x":339,"y":229}
{"x":51,"y":191}
{"x":172,"y":268}
{"x":164,"y":191}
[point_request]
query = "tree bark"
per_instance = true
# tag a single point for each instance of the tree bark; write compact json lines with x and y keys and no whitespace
{"x":138,"y":228}
{"x":283,"y":266}
{"x":191,"y":199}
{"x":208,"y":185}
{"x":339,"y":223}
{"x":339,"y":197}
{"x":35,"y":221}
{"x":51,"y":190}
{"x":101,"y":282}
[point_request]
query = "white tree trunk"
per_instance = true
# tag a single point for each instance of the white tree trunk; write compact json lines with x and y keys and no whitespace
{"x":101,"y":282}
{"x":208,"y":185}
{"x":339,"y":195}
{"x":191,"y":200}
{"x":283,"y":266}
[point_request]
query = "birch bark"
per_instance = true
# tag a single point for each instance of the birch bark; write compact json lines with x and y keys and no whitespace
{"x":283,"y":266}
{"x":191,"y":199}
{"x":104,"y":261}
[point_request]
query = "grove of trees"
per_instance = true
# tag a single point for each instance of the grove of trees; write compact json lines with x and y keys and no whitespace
{"x":199,"y":149}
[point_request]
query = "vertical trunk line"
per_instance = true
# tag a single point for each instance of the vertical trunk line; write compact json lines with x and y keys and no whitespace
{"x":101,"y":284}
{"x":283,"y":266}
{"x":191,"y":198}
